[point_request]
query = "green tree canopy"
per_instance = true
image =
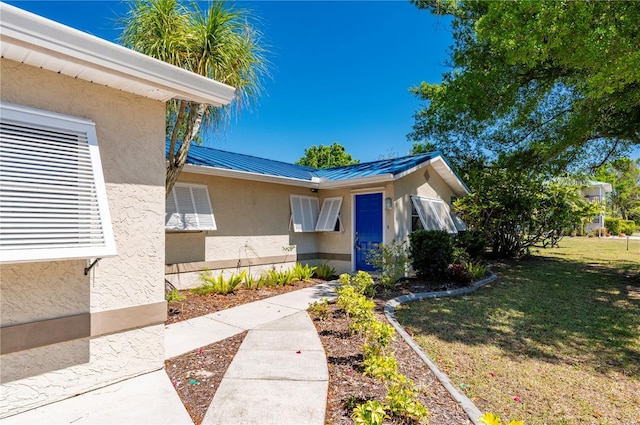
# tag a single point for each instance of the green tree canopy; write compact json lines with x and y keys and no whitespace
{"x":422,"y":147}
{"x":518,"y":210}
{"x":220,"y":43}
{"x":624,"y":176}
{"x":322,"y":156}
{"x":549,"y":84}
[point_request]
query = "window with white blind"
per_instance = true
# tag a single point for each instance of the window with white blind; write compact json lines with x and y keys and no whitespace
{"x":304,"y":213}
{"x":329,"y":218}
{"x":53,"y":202}
{"x":434,"y":214}
{"x":188,"y":207}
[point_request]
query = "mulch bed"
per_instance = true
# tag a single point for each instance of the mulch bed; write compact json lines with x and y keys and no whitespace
{"x":196,"y":375}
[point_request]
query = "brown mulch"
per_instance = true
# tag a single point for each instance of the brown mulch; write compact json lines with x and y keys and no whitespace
{"x":196,"y":375}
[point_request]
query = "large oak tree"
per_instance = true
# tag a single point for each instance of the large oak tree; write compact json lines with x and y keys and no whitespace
{"x":548,"y":84}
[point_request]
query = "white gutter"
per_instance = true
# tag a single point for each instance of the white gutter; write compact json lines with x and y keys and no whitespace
{"x":40,"y":42}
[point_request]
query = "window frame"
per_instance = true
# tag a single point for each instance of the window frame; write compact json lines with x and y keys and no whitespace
{"x":196,"y":211}
{"x":31,"y":171}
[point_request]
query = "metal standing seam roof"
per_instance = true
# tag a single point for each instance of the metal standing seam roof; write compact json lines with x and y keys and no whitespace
{"x":209,"y":157}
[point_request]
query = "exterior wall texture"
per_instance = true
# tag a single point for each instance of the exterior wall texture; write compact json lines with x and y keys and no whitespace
{"x":130,"y":132}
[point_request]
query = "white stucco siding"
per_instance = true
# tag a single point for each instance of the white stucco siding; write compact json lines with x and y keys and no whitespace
{"x":252,"y":221}
{"x":426,"y":182}
{"x":130,"y":132}
{"x":41,"y":291}
{"x":139,"y":350}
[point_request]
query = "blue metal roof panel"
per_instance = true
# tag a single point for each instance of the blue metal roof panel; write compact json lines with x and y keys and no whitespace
{"x":376,"y":168}
{"x":209,"y":157}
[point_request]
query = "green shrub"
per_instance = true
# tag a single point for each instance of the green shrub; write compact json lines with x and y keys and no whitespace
{"x":250,"y":282}
{"x":391,"y":260}
{"x":362,"y":283}
{"x":627,"y":227}
{"x":380,"y":367}
{"x":403,"y":402}
{"x":325,"y":271}
{"x":174,"y":296}
{"x":320,"y":309}
{"x":459,"y":273}
{"x":472,"y":242}
{"x":371,"y":412}
{"x":218,"y":285}
{"x":476,"y":270}
{"x":303,"y":273}
{"x":279,"y":278}
{"x":612,"y":224}
{"x":430,"y":252}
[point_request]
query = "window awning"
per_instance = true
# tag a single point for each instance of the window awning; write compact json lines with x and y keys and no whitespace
{"x":307,"y":216}
{"x":188,"y":207}
{"x":53,"y":201}
{"x":436,"y":215}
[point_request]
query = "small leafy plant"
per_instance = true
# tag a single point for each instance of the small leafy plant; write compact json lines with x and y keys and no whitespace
{"x":320,"y":309}
{"x":475,"y":269}
{"x":371,"y":412}
{"x":303,"y":273}
{"x":458,"y":273}
{"x":250,"y":282}
{"x":218,"y":285}
{"x":325,"y":271}
{"x":174,"y":296}
{"x":391,"y":260}
{"x":491,"y":419}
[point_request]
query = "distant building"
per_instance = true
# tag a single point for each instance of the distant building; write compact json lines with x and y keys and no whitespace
{"x":596,"y":192}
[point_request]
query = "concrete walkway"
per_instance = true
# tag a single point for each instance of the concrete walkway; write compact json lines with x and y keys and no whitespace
{"x":278,"y":376}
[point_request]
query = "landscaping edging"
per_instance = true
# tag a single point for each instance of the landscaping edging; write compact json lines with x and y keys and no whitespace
{"x":389,"y":311}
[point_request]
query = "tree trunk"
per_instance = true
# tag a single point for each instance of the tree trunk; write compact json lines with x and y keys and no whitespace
{"x":174,"y":167}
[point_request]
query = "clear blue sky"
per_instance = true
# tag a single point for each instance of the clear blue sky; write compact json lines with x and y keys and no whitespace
{"x":340,"y":72}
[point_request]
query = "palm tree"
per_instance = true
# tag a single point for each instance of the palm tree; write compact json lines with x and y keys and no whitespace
{"x":219,"y":43}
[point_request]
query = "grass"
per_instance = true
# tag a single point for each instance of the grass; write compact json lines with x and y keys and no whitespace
{"x":556,"y":340}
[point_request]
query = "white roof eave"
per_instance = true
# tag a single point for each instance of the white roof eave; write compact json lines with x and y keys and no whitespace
{"x":42,"y":43}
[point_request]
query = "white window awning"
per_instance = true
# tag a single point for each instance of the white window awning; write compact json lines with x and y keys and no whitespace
{"x":329,"y":215}
{"x":307,"y":216}
{"x":435,"y":214}
{"x":304,"y":213}
{"x":188,"y":207}
{"x":53,"y":201}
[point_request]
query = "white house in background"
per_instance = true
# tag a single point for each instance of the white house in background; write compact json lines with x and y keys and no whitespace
{"x":82,"y":172}
{"x":230,"y":211}
{"x":596,"y":192}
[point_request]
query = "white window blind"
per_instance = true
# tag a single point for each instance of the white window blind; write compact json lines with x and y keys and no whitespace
{"x":53,"y":202}
{"x":329,"y":215}
{"x":188,"y":207}
{"x":434,"y":214}
{"x":304,"y":213}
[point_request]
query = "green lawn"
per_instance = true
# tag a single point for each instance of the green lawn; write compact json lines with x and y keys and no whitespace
{"x":556,"y":340}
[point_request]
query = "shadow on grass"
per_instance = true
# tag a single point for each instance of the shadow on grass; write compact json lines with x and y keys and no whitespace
{"x":556,"y":310}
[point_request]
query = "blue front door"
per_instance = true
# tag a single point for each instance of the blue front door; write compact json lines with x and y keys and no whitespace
{"x":368,"y":227}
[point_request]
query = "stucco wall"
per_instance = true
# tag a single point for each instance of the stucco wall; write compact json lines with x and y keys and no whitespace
{"x":252,"y":221}
{"x":130,"y":132}
{"x":424,"y":182}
